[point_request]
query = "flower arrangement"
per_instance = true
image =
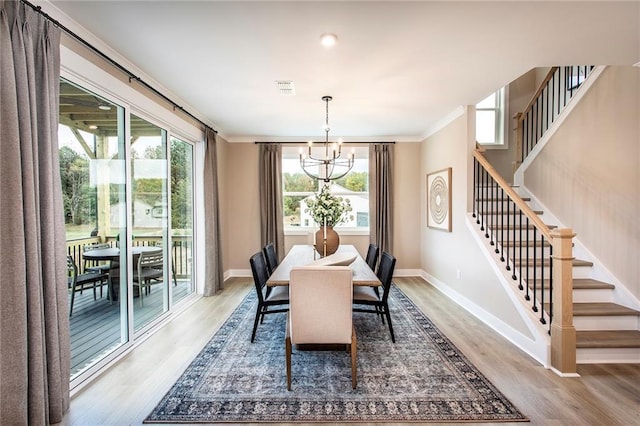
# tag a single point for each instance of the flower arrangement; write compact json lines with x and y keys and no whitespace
{"x":327,"y":209}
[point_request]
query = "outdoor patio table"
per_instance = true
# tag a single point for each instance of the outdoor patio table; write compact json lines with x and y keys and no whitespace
{"x":112,"y":254}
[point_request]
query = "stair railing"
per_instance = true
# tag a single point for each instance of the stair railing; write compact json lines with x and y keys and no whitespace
{"x":520,"y":238}
{"x":553,"y":94}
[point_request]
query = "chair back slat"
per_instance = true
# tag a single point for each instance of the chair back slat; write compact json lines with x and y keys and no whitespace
{"x":271,"y":257}
{"x":372,"y":256}
{"x":260,"y":273}
{"x":385,"y":273}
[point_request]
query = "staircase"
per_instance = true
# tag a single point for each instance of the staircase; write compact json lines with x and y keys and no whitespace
{"x":606,"y":332}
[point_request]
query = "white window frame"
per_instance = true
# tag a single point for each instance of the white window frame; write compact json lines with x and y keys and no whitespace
{"x":501,"y":109}
{"x":291,"y":152}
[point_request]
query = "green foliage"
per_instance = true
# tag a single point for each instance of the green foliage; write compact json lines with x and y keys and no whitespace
{"x":355,"y":181}
{"x":327,"y":209}
{"x":78,"y":197}
{"x":299,"y":182}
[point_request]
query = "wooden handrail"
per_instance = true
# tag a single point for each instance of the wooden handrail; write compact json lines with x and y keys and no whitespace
{"x":522,"y":205}
{"x":535,"y":96}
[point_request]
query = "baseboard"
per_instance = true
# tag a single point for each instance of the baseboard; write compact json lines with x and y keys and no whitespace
{"x":531,"y":347}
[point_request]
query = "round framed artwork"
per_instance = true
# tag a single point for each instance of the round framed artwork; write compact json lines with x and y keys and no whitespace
{"x":439,"y":199}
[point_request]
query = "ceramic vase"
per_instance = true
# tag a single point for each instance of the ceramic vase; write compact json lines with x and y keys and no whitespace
{"x":333,"y":241}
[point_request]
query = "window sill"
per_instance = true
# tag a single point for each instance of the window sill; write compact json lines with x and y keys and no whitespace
{"x":341,"y":231}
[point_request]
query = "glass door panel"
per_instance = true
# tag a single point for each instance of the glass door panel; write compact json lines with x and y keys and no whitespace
{"x":181,"y":219}
{"x":92,"y":168}
{"x":150,"y":222}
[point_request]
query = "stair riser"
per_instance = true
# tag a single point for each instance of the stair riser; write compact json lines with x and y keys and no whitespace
{"x":578,"y":272}
{"x":528,"y":252}
{"x":611,"y":322}
{"x":608,"y":355}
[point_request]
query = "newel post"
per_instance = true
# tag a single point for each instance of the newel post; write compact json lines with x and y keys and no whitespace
{"x":563,"y":333}
{"x":519,"y":129}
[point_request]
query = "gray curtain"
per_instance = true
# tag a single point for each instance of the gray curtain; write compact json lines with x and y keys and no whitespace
{"x":213,"y":250}
{"x":381,"y":196}
{"x":271,"y":216}
{"x":34,"y":323}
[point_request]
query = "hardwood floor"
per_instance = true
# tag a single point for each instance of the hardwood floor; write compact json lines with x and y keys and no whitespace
{"x":603,"y":395}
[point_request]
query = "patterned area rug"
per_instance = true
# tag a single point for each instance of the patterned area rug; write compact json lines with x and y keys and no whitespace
{"x":422,"y":377}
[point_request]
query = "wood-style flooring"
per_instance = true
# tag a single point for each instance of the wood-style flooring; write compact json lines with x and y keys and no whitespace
{"x":603,"y":395}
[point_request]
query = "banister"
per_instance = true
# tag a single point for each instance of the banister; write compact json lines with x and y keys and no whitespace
{"x":522,"y":205}
{"x":541,"y":88}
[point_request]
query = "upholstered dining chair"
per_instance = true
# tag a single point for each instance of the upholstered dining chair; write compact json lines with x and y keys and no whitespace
{"x":277,"y":296}
{"x":364,"y":295}
{"x":78,"y":282}
{"x":321,"y":311}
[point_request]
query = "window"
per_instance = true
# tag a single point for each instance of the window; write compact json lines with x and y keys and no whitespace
{"x":490,"y":119}
{"x":297,"y":187}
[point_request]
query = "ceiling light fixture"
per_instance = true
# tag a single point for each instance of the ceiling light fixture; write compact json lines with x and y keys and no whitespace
{"x":327,"y":167}
{"x":328,"y":39}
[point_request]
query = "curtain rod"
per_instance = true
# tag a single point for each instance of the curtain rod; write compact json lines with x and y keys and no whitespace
{"x":322,"y":143}
{"x":104,"y":56}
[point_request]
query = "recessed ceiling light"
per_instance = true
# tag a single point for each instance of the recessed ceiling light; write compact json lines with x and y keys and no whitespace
{"x":104,"y":107}
{"x":328,"y":39}
{"x":93,"y":126}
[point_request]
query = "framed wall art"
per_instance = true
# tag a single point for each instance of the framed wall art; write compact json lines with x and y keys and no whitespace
{"x":439,"y":200}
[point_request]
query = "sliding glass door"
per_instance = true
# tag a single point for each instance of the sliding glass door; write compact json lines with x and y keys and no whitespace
{"x":129,"y":214}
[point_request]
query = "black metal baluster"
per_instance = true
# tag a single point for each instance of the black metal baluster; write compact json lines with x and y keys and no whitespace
{"x":535,"y":272}
{"x":550,"y":286}
{"x":542,"y":280}
{"x":475,"y":185}
{"x":513,"y":257}
{"x":520,"y":244}
{"x":526,"y":260}
{"x":501,"y":217}
{"x":502,"y":258}
{"x":508,"y":267}
{"x":482,"y":175}
{"x":492,"y":213}
{"x":486,"y":205}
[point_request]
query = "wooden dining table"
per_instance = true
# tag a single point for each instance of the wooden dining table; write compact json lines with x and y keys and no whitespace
{"x":301,"y":255}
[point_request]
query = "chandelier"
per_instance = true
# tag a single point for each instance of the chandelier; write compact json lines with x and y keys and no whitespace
{"x":331,"y":166}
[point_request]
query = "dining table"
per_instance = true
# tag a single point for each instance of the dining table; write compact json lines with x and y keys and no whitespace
{"x":112,"y":254}
{"x":301,"y":255}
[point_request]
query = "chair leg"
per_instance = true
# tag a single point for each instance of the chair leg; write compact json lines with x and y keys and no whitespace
{"x":255,"y":323}
{"x":386,"y":311}
{"x":73,"y":294}
{"x":354,"y":359}
{"x":287,"y":345}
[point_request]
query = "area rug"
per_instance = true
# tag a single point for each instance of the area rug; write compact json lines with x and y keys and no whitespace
{"x":422,"y":377}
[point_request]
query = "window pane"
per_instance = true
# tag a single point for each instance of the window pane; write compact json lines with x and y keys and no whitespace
{"x":181,"y":219}
{"x":150,"y":215}
{"x":92,"y":168}
{"x":298,"y":187}
{"x":486,"y":126}
{"x":488,"y":102}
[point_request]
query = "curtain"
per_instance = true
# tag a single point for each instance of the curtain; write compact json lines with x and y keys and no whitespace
{"x":381,"y":196}
{"x":34,"y":324}
{"x":271,"y":216}
{"x":213,"y":279}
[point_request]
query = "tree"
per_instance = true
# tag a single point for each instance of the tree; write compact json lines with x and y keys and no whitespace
{"x":78,"y":197}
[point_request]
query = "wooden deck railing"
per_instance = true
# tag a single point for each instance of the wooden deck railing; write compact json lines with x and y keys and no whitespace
{"x":181,"y":250}
{"x":538,"y":258}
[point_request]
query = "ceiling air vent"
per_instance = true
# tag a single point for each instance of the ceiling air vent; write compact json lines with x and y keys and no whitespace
{"x":285,"y":87}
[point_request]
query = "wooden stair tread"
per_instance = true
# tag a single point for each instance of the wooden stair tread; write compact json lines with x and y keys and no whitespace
{"x":608,"y":339}
{"x":512,"y":226}
{"x":590,"y":284}
{"x":504,"y":212}
{"x":546,"y":262}
{"x":602,"y":309}
{"x":500,"y":199}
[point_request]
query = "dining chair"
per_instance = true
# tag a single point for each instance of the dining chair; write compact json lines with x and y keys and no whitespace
{"x":372,"y":256}
{"x":93,"y":266}
{"x":321,"y":312}
{"x":271,"y":257}
{"x":365,"y":295}
{"x":277,"y":296}
{"x":149,"y":271}
{"x":78,"y":282}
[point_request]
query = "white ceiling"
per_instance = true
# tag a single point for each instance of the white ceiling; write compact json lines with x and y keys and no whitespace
{"x":398,"y":68}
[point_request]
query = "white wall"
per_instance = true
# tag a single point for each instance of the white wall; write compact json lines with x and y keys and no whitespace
{"x":588,"y":174}
{"x":452,"y":260}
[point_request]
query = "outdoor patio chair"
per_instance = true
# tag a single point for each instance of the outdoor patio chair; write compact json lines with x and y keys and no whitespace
{"x":149,"y":271}
{"x":78,"y":282}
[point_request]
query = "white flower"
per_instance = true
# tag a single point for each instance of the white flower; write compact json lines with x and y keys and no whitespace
{"x":328,"y":207}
